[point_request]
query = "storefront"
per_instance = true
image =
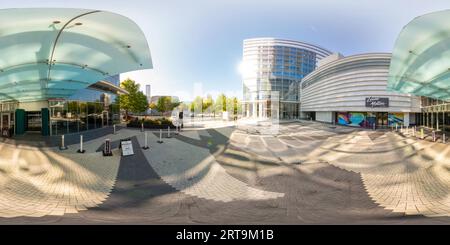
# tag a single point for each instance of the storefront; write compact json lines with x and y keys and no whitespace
{"x":7,"y":110}
{"x":369,"y":119}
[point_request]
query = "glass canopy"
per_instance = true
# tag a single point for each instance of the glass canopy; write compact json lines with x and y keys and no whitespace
{"x":420,"y":62}
{"x":52,"y":53}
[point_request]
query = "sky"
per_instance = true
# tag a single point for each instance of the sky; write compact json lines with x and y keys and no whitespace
{"x":196,"y":45}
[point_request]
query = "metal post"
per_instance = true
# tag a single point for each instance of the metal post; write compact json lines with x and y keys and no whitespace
{"x":142,"y":127}
{"x":373,"y":126}
{"x":401,"y":128}
{"x":114,"y":126}
{"x":146,"y":142}
{"x":437,"y":121}
{"x":434,"y":135}
{"x":396,"y":127}
{"x":160,"y":136}
{"x":176,"y":129}
{"x":421,"y":133}
{"x":168,"y":131}
{"x":443,"y":138}
{"x":63,"y":146}
{"x":81,"y":150}
{"x":414,"y":131}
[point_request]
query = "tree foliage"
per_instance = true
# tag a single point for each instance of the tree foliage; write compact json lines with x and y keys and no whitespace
{"x":165,"y":104}
{"x":135,"y":101}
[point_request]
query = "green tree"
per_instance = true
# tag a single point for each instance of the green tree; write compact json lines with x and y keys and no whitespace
{"x":135,"y":101}
{"x":234,"y":105}
{"x":197,"y":104}
{"x":166,"y":104}
{"x":221,"y":103}
{"x":207,"y":103}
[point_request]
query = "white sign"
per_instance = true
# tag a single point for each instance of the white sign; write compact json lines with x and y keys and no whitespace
{"x":127,"y":148}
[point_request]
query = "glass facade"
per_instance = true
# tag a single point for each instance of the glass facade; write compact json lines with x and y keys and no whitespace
{"x":71,"y":116}
{"x":275,"y":67}
{"x":87,"y":109}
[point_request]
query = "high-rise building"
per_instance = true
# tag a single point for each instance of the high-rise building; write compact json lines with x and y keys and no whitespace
{"x":148,"y":92}
{"x":272,"y":70}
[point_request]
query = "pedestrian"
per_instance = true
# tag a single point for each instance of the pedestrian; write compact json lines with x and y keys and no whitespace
{"x":180,"y":118}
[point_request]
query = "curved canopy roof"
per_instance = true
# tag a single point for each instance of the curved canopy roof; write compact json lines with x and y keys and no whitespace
{"x":52,"y":53}
{"x":420,"y":62}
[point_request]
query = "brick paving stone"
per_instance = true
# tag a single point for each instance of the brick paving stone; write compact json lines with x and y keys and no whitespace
{"x":47,"y":186}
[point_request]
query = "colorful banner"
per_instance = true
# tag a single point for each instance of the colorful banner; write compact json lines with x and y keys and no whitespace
{"x":395,"y":118}
{"x":357,"y":119}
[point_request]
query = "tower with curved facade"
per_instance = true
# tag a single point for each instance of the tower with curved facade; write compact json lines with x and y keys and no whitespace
{"x":272,"y":70}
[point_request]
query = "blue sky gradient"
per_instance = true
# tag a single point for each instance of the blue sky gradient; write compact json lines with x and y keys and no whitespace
{"x":198,"y":43}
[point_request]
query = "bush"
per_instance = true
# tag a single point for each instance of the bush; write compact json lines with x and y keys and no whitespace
{"x":161,"y":123}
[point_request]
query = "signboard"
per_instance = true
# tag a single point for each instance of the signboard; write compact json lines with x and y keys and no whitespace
{"x":127,"y":147}
{"x":377,"y":102}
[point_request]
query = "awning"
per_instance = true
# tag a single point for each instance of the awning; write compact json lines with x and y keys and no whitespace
{"x":105,"y":86}
{"x":52,"y":53}
{"x":420,"y":63}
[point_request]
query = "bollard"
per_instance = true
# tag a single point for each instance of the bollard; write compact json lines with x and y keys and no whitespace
{"x":401,"y":128}
{"x":168,"y":131}
{"x":421,"y":133}
{"x":373,"y":126}
{"x":443,"y":138}
{"x":146,"y":142}
{"x":114,"y":126}
{"x":434,"y":136}
{"x":62,"y":146}
{"x":414,"y":131}
{"x":177,"y":130}
{"x":160,"y":136}
{"x":396,"y":127}
{"x":81,"y":150}
{"x":142,"y":127}
{"x":107,"y":148}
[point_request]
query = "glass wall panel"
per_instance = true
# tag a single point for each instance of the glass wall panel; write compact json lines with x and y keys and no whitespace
{"x":57,"y":117}
{"x":91,"y":115}
{"x":115,"y":113}
{"x":72,"y":116}
{"x":83,"y":116}
{"x":98,"y":115}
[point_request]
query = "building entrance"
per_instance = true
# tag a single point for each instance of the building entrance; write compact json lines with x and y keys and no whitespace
{"x":33,"y":121}
{"x":382,"y":119}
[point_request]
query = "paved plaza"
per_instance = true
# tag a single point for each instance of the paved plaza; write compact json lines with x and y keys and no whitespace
{"x":232,"y":173}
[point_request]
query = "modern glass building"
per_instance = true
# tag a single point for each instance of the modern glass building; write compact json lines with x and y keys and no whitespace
{"x":59,"y":68}
{"x":272,"y":70}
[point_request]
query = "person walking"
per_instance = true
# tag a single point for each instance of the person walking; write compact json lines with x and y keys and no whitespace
{"x":180,"y":118}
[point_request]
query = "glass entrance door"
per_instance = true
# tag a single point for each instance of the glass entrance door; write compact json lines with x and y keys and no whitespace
{"x":33,"y":121}
{"x":5,"y":121}
{"x":382,"y":119}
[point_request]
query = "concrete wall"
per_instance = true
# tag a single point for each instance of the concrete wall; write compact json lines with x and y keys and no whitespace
{"x":324,"y":116}
{"x":406,"y":118}
{"x":33,"y":106}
